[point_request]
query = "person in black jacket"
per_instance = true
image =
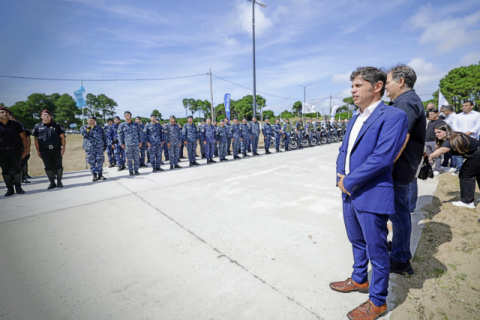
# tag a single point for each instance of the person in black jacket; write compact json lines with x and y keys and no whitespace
{"x":12,"y":140}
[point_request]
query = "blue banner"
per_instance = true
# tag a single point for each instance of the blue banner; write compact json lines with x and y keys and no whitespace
{"x":227,"y":105}
{"x":73,"y":125}
{"x":79,"y":96}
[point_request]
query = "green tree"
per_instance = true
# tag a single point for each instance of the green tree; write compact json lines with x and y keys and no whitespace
{"x":28,"y":112}
{"x":105,"y":106}
{"x":268,"y":113}
{"x":66,"y":110}
{"x":286,"y":114}
{"x":461,"y":84}
{"x":189,"y":104}
{"x":157,"y":113}
{"x":297,"y":108}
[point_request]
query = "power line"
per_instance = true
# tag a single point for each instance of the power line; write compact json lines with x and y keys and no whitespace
{"x":138,"y":79}
{"x":239,"y":85}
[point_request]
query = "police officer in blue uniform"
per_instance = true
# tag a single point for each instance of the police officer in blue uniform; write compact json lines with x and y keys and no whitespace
{"x":235,"y":134}
{"x":13,"y":148}
{"x":154,"y":138}
{"x":173,"y":139}
{"x":215,"y":148}
{"x":110,"y":150}
{"x":190,"y":139}
{"x":143,"y":140}
{"x":245,"y":138}
{"x":208,"y":137}
{"x":229,"y":143}
{"x":255,"y":128}
{"x":50,"y":144}
{"x":130,"y":137}
{"x":222,"y":135}
{"x":287,"y":132}
{"x":200,"y":135}
{"x":94,"y":144}
{"x":118,"y":151}
{"x":267,"y":134}
{"x":277,"y":129}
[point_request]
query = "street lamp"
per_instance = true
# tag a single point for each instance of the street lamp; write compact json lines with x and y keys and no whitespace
{"x":254,"y":75}
{"x":304,"y":96}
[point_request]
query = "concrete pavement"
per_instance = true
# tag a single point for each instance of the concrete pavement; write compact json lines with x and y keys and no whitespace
{"x":257,"y":238}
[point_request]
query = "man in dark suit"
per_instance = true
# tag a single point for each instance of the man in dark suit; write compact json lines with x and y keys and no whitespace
{"x":373,"y":140}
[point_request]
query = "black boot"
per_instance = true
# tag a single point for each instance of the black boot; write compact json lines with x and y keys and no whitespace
{"x":95,"y":178}
{"x":208,"y":161}
{"x":195,"y":163}
{"x":177,"y":166}
{"x":17,"y":181}
{"x":59,"y":178}
{"x":9,"y":183}
{"x":171,"y":167}
{"x":24,"y":174}
{"x":212,"y":161}
{"x":101,"y":177}
{"x":154,"y":169}
{"x":190,"y":164}
{"x":51,"y":178}
{"x":111,"y":165}
{"x":159,"y":169}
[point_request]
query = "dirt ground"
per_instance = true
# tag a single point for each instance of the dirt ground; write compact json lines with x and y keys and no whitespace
{"x":446,"y":282}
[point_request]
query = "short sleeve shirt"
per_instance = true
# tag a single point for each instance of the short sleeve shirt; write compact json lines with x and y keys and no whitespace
{"x":10,"y":134}
{"x":48,"y":134}
{"x":470,"y":143}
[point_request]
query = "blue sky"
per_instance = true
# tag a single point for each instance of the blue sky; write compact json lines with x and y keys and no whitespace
{"x":298,"y":42}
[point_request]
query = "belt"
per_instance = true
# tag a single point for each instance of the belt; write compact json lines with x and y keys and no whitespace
{"x":51,"y":146}
{"x":9,"y":148}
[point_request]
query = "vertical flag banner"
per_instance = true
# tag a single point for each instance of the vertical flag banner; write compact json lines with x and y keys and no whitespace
{"x":334,"y":112}
{"x":226,"y":99}
{"x":80,"y":98}
{"x":441,"y":100}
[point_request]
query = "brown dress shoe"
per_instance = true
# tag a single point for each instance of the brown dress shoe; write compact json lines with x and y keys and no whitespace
{"x":349,"y":285}
{"x":367,"y":311}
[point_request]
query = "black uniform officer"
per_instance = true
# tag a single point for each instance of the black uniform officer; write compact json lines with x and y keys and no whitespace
{"x":50,"y":145}
{"x":24,"y":163}
{"x":12,"y":139}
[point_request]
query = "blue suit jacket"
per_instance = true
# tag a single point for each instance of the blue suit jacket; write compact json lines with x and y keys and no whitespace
{"x":380,"y":140}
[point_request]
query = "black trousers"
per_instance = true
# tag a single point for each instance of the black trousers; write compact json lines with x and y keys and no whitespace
{"x":10,"y":161}
{"x":52,"y":158}
{"x":468,"y":173}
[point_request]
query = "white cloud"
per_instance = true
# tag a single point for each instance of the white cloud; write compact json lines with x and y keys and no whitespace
{"x":443,"y":31}
{"x":470,"y":58}
{"x":341,"y":77}
{"x":428,"y":75}
{"x":262,"y":22}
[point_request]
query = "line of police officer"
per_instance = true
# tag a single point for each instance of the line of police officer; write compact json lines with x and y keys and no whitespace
{"x":127,"y":143}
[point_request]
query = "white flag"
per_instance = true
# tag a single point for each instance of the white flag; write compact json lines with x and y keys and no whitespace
{"x":441,"y":100}
{"x":308,"y":108}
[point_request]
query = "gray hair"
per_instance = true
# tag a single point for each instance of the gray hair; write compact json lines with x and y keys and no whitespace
{"x":405,"y":72}
{"x":372,"y":75}
{"x":448,"y":107}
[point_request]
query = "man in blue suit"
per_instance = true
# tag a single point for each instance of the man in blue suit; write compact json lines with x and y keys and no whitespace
{"x":373,"y":140}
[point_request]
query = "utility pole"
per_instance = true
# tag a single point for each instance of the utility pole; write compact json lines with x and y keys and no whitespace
{"x":211,"y":95}
{"x":304,"y":96}
{"x":254,"y":73}
{"x":330,"y":109}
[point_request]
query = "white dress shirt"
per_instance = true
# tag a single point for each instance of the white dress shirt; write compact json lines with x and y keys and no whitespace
{"x":467,"y":122}
{"x":449,"y":119}
{"x":357,"y":126}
